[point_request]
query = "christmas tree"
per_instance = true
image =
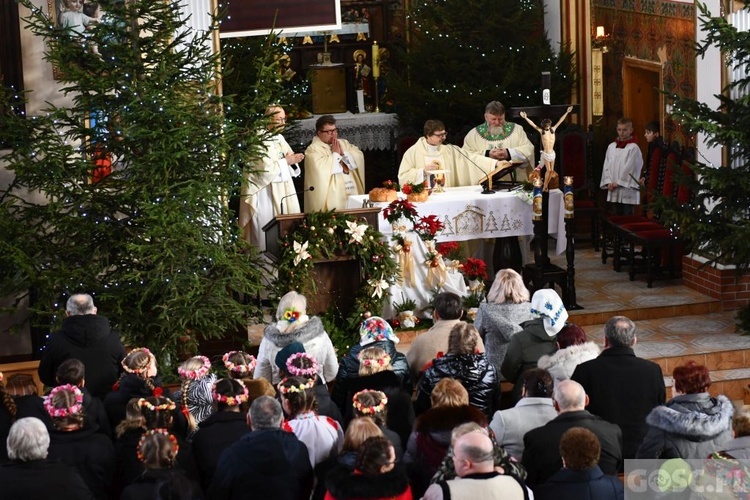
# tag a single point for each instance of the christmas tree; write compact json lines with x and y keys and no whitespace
{"x":466,"y":53}
{"x":717,"y":219}
{"x":134,"y":178}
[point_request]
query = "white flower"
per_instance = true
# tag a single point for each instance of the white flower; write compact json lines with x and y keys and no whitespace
{"x":301,"y":251}
{"x":356,"y":230}
{"x":379,"y":286}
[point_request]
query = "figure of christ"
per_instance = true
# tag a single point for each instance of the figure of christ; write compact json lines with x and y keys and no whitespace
{"x":547,"y":132}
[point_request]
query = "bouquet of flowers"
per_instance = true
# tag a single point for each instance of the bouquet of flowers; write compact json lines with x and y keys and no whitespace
{"x":411,"y":188}
{"x":475,"y":269}
{"x":427,"y":227}
{"x":399,"y":208}
{"x":449,"y":250}
{"x":389,"y":184}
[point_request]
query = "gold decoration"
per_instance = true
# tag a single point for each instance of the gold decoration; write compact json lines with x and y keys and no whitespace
{"x":361,"y":37}
{"x":307,"y":40}
{"x":334,"y":39}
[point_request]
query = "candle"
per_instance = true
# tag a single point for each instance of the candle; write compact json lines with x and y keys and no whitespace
{"x":569,"y":196}
{"x":537,"y":200}
{"x":600,"y":32}
{"x":375,"y":60}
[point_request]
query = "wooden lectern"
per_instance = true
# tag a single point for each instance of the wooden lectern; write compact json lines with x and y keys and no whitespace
{"x":337,"y":279}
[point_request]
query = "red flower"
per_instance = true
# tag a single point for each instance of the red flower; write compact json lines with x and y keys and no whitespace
{"x":158,"y":391}
{"x":406,"y":189}
{"x":475,"y":269}
{"x":447,"y":248}
{"x":428,"y":227}
{"x":399,"y":208}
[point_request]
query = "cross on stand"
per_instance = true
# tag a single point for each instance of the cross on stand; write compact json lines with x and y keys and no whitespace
{"x":542,"y":272}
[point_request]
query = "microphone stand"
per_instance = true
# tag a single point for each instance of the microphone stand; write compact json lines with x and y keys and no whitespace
{"x":281,"y":203}
{"x":488,"y":189}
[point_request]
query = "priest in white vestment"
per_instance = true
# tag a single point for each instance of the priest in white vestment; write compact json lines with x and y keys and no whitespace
{"x":334,"y":167}
{"x":501,"y":140}
{"x":266,"y":192}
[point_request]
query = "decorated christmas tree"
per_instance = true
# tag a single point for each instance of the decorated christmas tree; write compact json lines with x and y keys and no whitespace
{"x":463,"y":54}
{"x":130,"y":181}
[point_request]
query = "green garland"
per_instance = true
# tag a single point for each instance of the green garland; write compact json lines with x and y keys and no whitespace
{"x":324,"y":235}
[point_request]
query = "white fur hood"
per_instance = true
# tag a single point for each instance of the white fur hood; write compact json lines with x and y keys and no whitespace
{"x":562,"y":363}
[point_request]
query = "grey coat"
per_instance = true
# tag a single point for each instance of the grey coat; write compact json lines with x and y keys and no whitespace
{"x":497,"y":323}
{"x":512,"y":424}
{"x":689,"y":426}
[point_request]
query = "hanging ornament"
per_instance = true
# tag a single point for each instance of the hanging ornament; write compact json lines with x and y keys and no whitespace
{"x":361,"y":37}
{"x":307,"y":40}
{"x":334,"y":39}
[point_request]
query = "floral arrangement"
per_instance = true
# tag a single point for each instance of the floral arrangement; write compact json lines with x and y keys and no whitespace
{"x":291,"y":315}
{"x":297,"y":371}
{"x":230,"y":400}
{"x":369,"y":410}
{"x":449,"y":250}
{"x":413,"y":188}
{"x":167,"y":405}
{"x":151,"y":432}
{"x":428,"y":226}
{"x":398,"y":209}
{"x":404,"y":305}
{"x":142,"y":369}
{"x":196,"y":374}
{"x":393,"y":186}
{"x":475,"y":269}
{"x":324,"y":235}
{"x":384,"y":361}
{"x":75,"y":408}
{"x":231,"y":367}
{"x":286,"y":389}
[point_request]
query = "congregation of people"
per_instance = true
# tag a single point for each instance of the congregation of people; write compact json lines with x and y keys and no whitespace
{"x":302,"y":421}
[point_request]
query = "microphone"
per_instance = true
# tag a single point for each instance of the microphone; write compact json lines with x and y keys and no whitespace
{"x":311,"y":188}
{"x":488,"y":189}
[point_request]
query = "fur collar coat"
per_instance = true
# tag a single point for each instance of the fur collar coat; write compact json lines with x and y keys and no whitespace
{"x":688,"y":426}
{"x":562,"y":363}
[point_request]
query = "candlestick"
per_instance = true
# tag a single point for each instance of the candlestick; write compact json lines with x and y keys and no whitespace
{"x":375,"y":60}
{"x":537,"y":200}
{"x":569,"y":196}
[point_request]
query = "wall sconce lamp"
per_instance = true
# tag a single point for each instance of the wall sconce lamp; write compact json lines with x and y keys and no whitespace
{"x":601,"y":40}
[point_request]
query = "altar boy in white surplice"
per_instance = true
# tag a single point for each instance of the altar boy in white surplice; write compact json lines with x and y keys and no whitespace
{"x":262,"y":191}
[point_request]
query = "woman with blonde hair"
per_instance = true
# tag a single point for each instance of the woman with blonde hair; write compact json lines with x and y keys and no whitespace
{"x":195,"y":390}
{"x":431,"y":438}
{"x":294,"y":325}
{"x":501,"y":316}
{"x":359,"y":430}
{"x":376,"y":405}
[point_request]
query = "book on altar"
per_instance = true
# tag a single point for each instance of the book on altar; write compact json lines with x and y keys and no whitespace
{"x":504,"y":169}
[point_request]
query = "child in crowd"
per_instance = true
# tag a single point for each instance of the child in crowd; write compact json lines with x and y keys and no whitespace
{"x":622,"y":170}
{"x":241,"y":366}
{"x":195,"y":391}
{"x":72,"y":371}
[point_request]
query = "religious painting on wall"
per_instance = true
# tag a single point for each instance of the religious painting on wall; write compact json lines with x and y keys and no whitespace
{"x":260,"y":17}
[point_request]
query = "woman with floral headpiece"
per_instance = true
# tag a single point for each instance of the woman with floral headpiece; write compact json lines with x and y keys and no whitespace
{"x":376,"y":373}
{"x":196,"y":402}
{"x":323,"y":436}
{"x":139,"y":379}
{"x":157,"y":450}
{"x":241,"y":366}
{"x":293,"y":361}
{"x":294,"y":325}
{"x":375,"y":404}
{"x":224,"y":427}
{"x":89,"y":452}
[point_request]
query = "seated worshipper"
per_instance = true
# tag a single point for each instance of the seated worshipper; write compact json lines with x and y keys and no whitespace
{"x":222,"y":428}
{"x":572,"y":350}
{"x":323,"y":436}
{"x":462,"y":363}
{"x":504,"y":463}
{"x":534,"y":409}
{"x":374,"y":404}
{"x":473,"y":455}
{"x":267,"y":462}
{"x":241,"y":366}
{"x":580,"y":478}
{"x":89,"y":452}
{"x":501,"y":140}
{"x":139,"y":379}
{"x":692,"y":424}
{"x":266,"y":192}
{"x":334,"y":167}
{"x":359,"y":430}
{"x":429,"y":441}
{"x":72,"y":371}
{"x":376,"y":373}
{"x":374,"y":332}
{"x":501,"y":316}
{"x":541,"y":453}
{"x":293,"y":361}
{"x":726,"y":469}
{"x":19,"y":400}
{"x":376,"y":475}
{"x":195,"y":390}
{"x":294,"y":325}
{"x":448,"y":309}
{"x":739,"y":447}
{"x":536,"y":339}
{"x":29,"y":475}
{"x":161,"y":478}
{"x":87,"y":336}
{"x":430,"y":153}
{"x":158,"y":413}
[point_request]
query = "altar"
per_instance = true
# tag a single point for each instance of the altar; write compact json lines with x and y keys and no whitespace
{"x":470,"y":215}
{"x":367,"y":131}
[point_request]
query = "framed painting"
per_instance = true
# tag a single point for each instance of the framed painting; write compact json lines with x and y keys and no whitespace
{"x":260,"y":17}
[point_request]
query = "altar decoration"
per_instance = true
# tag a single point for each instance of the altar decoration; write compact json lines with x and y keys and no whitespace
{"x":415,"y":192}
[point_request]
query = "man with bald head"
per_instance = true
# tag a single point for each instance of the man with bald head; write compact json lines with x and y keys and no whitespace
{"x":269,"y":190}
{"x":541,"y":454}
{"x":623,"y":388}
{"x":477,"y":478}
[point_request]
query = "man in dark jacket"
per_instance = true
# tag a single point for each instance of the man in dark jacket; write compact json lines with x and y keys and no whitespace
{"x":266,"y":463}
{"x":89,"y":337}
{"x":541,"y":454}
{"x":623,"y":388}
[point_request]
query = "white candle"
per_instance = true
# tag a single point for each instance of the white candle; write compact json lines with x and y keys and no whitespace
{"x":375,"y":60}
{"x":600,"y":32}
